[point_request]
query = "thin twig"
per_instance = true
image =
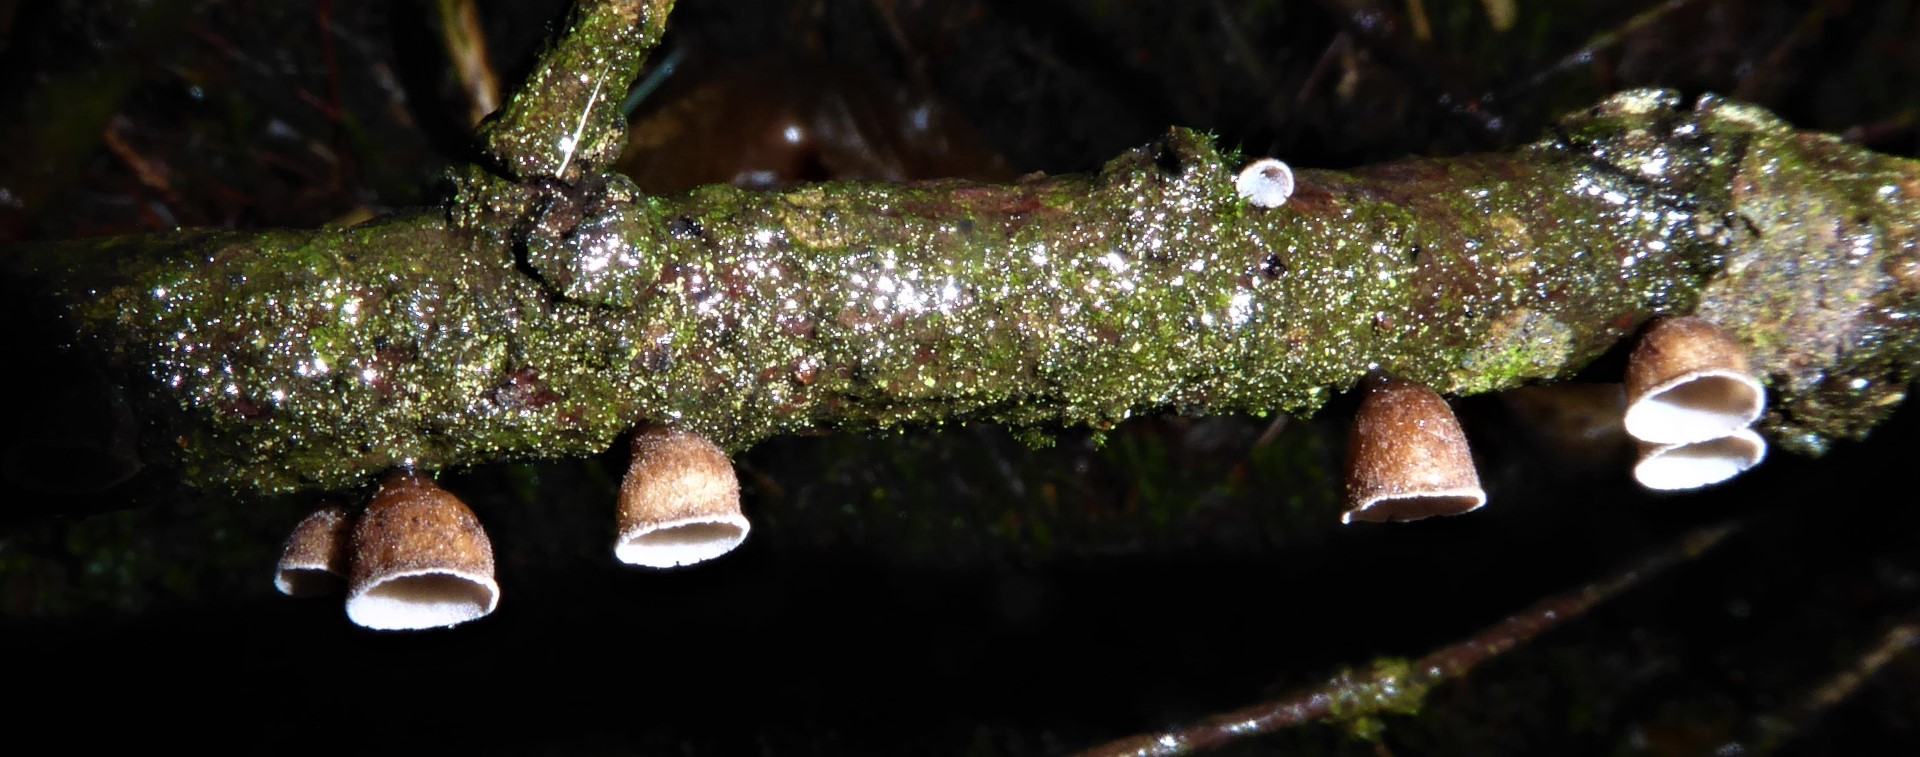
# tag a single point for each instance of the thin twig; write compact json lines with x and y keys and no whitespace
{"x":150,"y":174}
{"x":1885,"y":128}
{"x":887,"y":10}
{"x":1768,"y":72}
{"x":1381,"y":30}
{"x":1770,"y":732}
{"x":1417,"y":15}
{"x":1585,"y":54}
{"x":1501,"y":14}
{"x":1399,"y":687}
{"x":1893,"y":643}
{"x":467,"y":48}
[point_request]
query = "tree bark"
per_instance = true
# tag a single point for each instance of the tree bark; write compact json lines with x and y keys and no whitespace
{"x":549,"y":306}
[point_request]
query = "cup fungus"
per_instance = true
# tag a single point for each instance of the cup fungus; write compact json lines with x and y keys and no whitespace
{"x":1265,"y":183}
{"x":314,"y":562}
{"x":680,"y":502}
{"x":420,"y":559}
{"x":1674,"y":467}
{"x":1687,"y":381}
{"x":1407,"y":458}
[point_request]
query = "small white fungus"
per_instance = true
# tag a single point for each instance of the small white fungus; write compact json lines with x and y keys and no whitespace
{"x":1265,"y":183}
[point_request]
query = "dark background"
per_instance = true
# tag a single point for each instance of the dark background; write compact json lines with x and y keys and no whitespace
{"x":952,"y":590}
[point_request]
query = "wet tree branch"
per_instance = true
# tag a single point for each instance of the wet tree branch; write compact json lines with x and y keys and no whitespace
{"x":550,"y":306}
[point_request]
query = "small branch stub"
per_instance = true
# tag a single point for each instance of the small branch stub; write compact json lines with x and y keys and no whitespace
{"x":680,"y":502}
{"x":1407,"y":458}
{"x":420,"y":559}
{"x":1688,"y":381}
{"x":1265,"y":183}
{"x":314,"y":562}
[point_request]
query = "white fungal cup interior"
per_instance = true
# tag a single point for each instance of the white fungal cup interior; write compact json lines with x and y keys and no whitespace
{"x":1417,"y":506}
{"x":1691,"y":466}
{"x":1265,"y":183}
{"x":425,"y":599}
{"x":1696,"y":408}
{"x":681,"y":542}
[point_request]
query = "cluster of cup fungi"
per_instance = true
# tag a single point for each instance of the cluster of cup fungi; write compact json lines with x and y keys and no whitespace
{"x":416,"y":557}
{"x":1691,"y":403}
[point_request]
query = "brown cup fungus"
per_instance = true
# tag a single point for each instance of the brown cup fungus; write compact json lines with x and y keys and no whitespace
{"x":1675,"y":467}
{"x":1688,"y":381}
{"x":1407,"y":458}
{"x":420,"y":559}
{"x":680,"y":502}
{"x":314,"y":561}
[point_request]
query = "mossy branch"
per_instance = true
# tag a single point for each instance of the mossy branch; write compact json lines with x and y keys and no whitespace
{"x":551,"y":306}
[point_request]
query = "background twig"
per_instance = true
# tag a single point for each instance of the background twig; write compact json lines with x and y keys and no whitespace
{"x":1398,"y":686}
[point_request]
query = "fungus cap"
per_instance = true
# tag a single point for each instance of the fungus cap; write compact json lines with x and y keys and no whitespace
{"x":314,"y":561}
{"x":420,"y":559}
{"x":1688,"y":381}
{"x":679,"y":503}
{"x":1407,"y":458}
{"x":1265,"y":183}
{"x":1692,"y":465}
